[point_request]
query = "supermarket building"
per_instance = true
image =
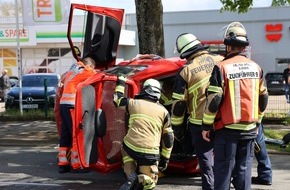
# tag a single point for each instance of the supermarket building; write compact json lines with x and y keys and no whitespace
{"x":47,"y":46}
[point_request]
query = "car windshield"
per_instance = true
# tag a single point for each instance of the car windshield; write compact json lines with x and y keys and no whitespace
{"x":38,"y":81}
{"x":274,"y":76}
{"x":126,"y":70}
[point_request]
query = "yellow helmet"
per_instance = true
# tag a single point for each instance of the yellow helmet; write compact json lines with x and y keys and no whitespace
{"x":186,"y":41}
{"x":236,"y":35}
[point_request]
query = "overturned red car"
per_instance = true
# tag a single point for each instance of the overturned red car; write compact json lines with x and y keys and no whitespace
{"x":99,"y":127}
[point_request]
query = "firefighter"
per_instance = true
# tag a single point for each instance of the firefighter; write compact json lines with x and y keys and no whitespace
{"x":189,"y":94}
{"x":148,"y":143}
{"x":77,"y":73}
{"x":236,"y":100}
{"x":59,"y":92}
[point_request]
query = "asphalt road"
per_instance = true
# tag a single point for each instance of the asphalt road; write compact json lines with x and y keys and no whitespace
{"x":28,"y":161}
{"x":25,"y":167}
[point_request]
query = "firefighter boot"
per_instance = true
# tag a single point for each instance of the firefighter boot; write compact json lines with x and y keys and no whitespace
{"x":63,"y":163}
{"x":76,"y":164}
{"x":130,"y":183}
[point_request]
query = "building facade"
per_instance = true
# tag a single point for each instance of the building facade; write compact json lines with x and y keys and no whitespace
{"x":47,"y":48}
{"x":268,"y":31}
{"x":44,"y":48}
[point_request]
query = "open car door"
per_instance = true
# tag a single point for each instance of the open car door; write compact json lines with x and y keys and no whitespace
{"x":102,"y":28}
{"x":99,"y":39}
{"x":99,"y":127}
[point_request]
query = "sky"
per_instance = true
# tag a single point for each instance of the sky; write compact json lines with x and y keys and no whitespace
{"x":168,"y":5}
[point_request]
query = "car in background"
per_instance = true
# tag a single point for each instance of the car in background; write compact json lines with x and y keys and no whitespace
{"x":13,"y":81}
{"x":275,"y":83}
{"x":34,"y":94}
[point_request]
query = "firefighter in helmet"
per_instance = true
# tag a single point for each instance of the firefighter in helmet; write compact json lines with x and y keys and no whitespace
{"x":236,"y":100}
{"x":189,"y":96}
{"x":148,"y":143}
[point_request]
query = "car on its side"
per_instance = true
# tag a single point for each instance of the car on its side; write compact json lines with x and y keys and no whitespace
{"x":99,"y":127}
{"x":275,"y":83}
{"x":38,"y":91}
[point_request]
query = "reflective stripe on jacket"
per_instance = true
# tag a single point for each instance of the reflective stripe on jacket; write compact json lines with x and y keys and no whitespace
{"x":148,"y":122}
{"x":240,"y":87}
{"x":72,"y":78}
{"x":191,"y":84}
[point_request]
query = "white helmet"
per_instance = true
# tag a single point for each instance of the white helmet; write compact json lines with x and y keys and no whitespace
{"x":152,"y":87}
{"x":236,"y":35}
{"x":185,"y":42}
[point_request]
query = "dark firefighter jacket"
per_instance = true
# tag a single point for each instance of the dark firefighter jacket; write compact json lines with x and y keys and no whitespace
{"x":190,"y":87}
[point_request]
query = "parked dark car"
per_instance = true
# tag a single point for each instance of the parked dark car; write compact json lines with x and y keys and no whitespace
{"x":275,"y":83}
{"x":33,"y":91}
{"x":13,"y":81}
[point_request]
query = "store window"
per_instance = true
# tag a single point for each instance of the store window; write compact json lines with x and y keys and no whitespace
{"x":46,"y":60}
{"x":8,"y":60}
{"x":35,"y":60}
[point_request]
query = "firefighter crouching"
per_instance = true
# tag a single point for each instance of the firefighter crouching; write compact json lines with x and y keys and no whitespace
{"x":149,"y":128}
{"x":236,"y":100}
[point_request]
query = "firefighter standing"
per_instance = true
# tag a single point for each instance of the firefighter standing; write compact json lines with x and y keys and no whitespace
{"x":149,"y":128}
{"x":236,"y":100}
{"x":77,"y":73}
{"x":189,"y":94}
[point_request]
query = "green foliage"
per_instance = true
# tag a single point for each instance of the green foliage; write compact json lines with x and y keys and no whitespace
{"x":277,"y":134}
{"x":28,"y":115}
{"x":242,"y":6}
{"x":277,"y":148}
{"x":277,"y":3}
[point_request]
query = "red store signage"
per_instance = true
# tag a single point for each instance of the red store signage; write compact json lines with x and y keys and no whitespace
{"x":274,"y":32}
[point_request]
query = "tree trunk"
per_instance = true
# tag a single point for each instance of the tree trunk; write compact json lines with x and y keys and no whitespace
{"x":149,"y":16}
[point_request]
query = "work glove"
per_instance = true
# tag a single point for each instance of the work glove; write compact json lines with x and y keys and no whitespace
{"x":162,"y":165}
{"x":121,"y":80}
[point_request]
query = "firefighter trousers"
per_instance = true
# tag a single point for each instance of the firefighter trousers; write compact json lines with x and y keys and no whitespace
{"x":66,"y":127}
{"x":147,"y":174}
{"x":232,"y":162}
{"x":204,"y":153}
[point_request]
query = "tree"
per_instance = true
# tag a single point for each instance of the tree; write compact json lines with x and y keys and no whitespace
{"x":242,"y":6}
{"x":149,"y":15}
